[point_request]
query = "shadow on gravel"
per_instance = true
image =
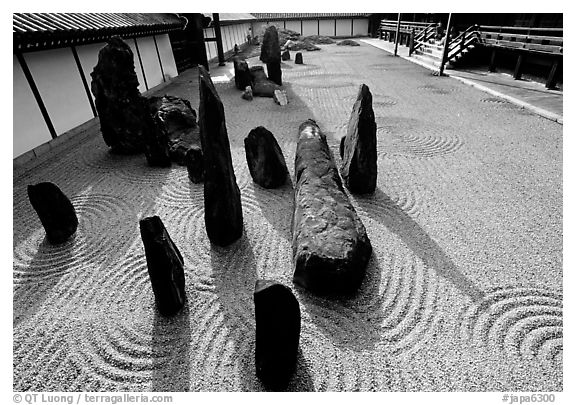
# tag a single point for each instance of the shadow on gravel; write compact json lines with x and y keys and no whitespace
{"x":416,"y":238}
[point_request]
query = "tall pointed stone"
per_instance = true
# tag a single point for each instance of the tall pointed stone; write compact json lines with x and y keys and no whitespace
{"x":359,"y":169}
{"x":270,"y":54}
{"x":165,"y":266}
{"x":55,"y":211}
{"x":277,"y":333}
{"x":222,"y":205}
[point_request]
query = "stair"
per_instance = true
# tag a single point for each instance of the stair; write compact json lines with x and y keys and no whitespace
{"x":429,"y":53}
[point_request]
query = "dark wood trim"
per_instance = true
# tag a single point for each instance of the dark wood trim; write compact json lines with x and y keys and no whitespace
{"x":84,"y":81}
{"x":301,"y":27}
{"x":335,"y":22}
{"x":352,"y":27}
{"x":318,"y":26}
{"x":492,"y":65}
{"x":36,"y":94}
{"x":518,"y":69}
{"x":218,"y":35}
{"x":159,"y":58}
{"x":141,"y":64}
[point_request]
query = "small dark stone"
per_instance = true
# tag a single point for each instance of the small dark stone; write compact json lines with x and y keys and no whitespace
{"x":265,"y":159}
{"x":342,"y":144}
{"x":277,"y":333}
{"x":286,"y":55}
{"x":248,"y":95}
{"x":275,"y":72}
{"x":222,"y":205}
{"x":165,"y":266}
{"x":330,"y":246}
{"x":121,"y":112}
{"x":56,"y":212}
{"x":262,"y":87}
{"x":298,"y":59}
{"x":242,"y":76}
{"x":270,"y":51}
{"x":195,"y":164}
{"x":359,"y":161}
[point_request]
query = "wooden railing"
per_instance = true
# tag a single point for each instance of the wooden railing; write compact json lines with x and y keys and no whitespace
{"x":417,"y":39}
{"x":524,"y":38}
{"x":388,"y":28}
{"x":462,"y":42}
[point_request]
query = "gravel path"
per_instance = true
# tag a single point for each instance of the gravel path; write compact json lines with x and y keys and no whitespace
{"x":463,"y":292}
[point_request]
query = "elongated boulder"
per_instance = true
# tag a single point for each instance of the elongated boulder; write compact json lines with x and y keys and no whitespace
{"x":277,"y":333}
{"x":265,"y":159}
{"x":121,"y":109}
{"x":275,"y":72}
{"x":242,"y":77}
{"x":359,"y":169}
{"x":330,"y":246}
{"x":222,"y":206}
{"x":165,"y":266}
{"x":195,"y":164}
{"x":261,"y":86}
{"x":56,"y":212}
{"x":342,"y":145}
{"x":298,"y":58}
{"x":270,"y":51}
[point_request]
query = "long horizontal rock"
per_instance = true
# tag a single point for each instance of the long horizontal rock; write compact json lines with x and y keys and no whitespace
{"x":330,"y":246}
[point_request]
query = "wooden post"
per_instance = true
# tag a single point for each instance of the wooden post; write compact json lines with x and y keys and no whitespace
{"x":552,"y":77}
{"x":411,"y":42}
{"x":492,"y":66}
{"x":218,"y":33}
{"x":396,"y":36}
{"x":518,"y":70}
{"x":446,"y":44}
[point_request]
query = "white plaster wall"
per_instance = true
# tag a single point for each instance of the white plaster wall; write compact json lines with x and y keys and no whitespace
{"x":361,"y":26}
{"x":326,"y":28}
{"x":166,"y":56}
{"x":150,"y":61}
{"x":293,"y":25}
{"x":29,"y":128}
{"x":309,"y":27}
{"x":60,"y":85}
{"x":344,"y":27}
{"x":137,"y":66}
{"x":88,"y":55}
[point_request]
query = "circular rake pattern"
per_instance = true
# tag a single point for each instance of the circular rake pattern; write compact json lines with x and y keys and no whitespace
{"x":325,"y":81}
{"x":502,"y":104}
{"x":430,"y":88}
{"x":525,"y":323}
{"x":98,"y":215}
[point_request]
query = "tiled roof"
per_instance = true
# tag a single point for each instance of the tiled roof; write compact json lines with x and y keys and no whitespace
{"x":228,"y":18}
{"x":304,"y":16}
{"x":49,"y":30}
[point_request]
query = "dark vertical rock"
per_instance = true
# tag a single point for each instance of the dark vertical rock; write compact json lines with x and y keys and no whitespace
{"x":342,"y":145}
{"x":274,"y":72}
{"x":156,"y":146}
{"x":242,"y":76}
{"x":330,"y":246}
{"x":270,"y":50}
{"x":120,"y":107}
{"x":261,"y":85}
{"x":277,"y":333}
{"x":222,"y":206}
{"x":195,"y":164}
{"x":165,"y":266}
{"x":286,"y":55}
{"x":298,"y":58}
{"x":265,"y":159}
{"x":56,"y":212}
{"x":359,"y":169}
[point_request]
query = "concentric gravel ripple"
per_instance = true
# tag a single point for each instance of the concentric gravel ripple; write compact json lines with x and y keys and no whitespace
{"x":431,"y":88}
{"x":522,"y":322}
{"x":36,"y":259}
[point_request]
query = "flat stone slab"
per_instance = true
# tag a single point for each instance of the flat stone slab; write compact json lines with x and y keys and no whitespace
{"x":330,"y":246}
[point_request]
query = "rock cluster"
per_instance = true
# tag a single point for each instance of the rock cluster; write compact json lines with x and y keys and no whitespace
{"x":261,"y":85}
{"x":56,"y":212}
{"x":330,"y":246}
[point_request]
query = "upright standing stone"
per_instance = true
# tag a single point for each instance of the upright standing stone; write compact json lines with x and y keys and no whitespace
{"x":265,"y":159}
{"x":270,"y":54}
{"x":242,"y":76}
{"x":330,"y":246}
{"x":55,"y":211}
{"x":277,"y":333}
{"x":165,"y":266}
{"x":222,"y":205}
{"x":286,"y":55}
{"x":156,"y":146}
{"x":359,"y":169}
{"x":121,"y":109}
{"x":298,"y":58}
{"x":195,"y":164}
